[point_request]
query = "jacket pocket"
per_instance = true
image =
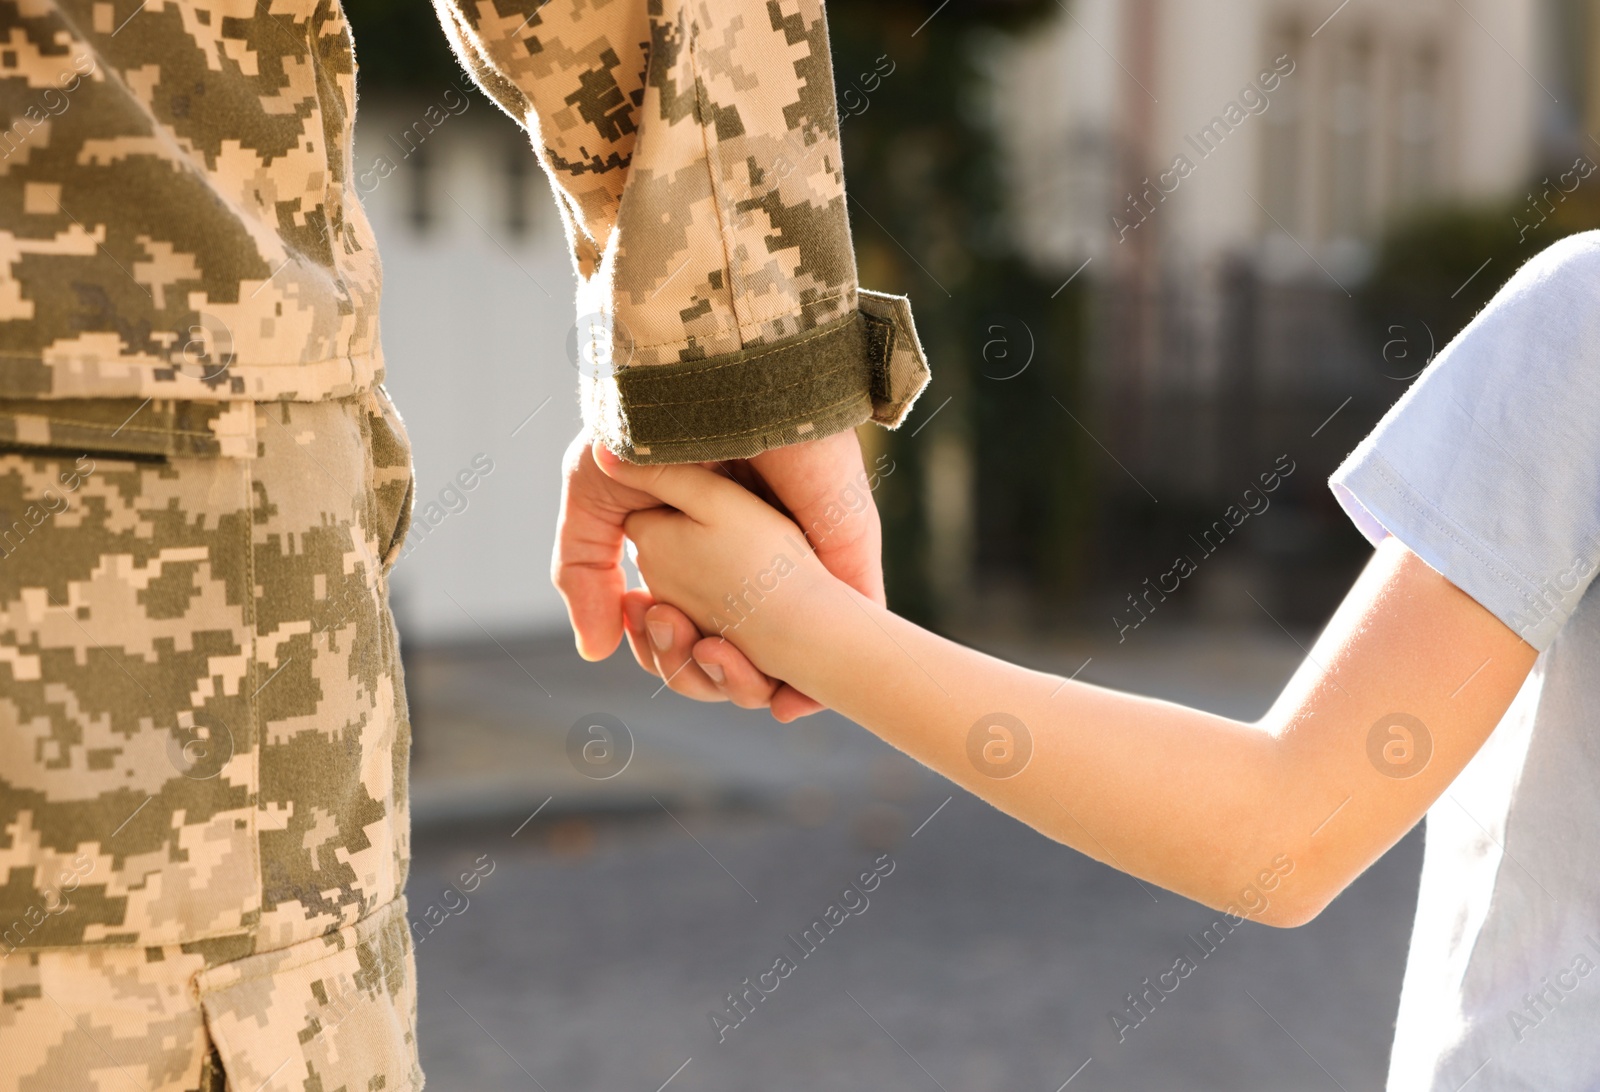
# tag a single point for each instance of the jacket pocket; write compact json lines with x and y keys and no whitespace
{"x":336,"y":1011}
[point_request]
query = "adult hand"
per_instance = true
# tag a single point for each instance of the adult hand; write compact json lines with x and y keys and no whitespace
{"x":823,"y":484}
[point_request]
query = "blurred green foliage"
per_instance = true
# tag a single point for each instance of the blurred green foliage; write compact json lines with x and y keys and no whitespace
{"x":400,"y":46}
{"x":1424,"y":260}
{"x":928,"y":212}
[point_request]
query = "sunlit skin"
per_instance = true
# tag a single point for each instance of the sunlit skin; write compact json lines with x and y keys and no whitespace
{"x":1197,"y":803}
{"x":586,"y":566}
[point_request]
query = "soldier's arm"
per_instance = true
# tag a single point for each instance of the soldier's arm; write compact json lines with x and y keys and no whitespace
{"x":694,"y":151}
{"x":693,"y":147}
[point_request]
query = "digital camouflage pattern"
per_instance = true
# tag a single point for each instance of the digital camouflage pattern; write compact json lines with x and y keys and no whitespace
{"x":694,"y":149}
{"x":179,"y":217}
{"x":203,"y":739}
{"x":177,"y":213}
{"x":148,"y":427}
{"x":332,"y":1014}
{"x":138,"y":1003}
{"x":203,"y":755}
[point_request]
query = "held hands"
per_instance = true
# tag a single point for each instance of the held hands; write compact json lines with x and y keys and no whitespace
{"x":718,"y":553}
{"x":720,"y":556}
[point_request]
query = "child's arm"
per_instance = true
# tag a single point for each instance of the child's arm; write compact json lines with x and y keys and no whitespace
{"x":1201,"y":804}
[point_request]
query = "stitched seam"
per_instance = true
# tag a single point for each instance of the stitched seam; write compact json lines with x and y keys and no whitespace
{"x":811,"y":416}
{"x":723,"y":229}
{"x":790,"y":312}
{"x":740,"y":327}
{"x":367,"y":928}
{"x":687,"y":365}
{"x":349,"y":358}
{"x":100,"y":427}
{"x":1407,"y":494}
{"x":259,"y":734}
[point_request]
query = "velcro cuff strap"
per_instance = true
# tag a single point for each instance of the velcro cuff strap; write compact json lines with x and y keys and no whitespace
{"x":740,"y":404}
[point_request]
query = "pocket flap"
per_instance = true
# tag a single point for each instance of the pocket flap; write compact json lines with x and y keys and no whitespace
{"x":335,"y":1012}
{"x":126,"y":426}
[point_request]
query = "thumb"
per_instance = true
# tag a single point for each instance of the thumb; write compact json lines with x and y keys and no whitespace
{"x":825,"y":485}
{"x":691,"y":488}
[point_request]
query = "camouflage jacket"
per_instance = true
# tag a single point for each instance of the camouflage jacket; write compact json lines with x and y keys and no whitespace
{"x":179,"y":219}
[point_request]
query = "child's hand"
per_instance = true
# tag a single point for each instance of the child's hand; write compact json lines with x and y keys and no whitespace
{"x":730,"y":561}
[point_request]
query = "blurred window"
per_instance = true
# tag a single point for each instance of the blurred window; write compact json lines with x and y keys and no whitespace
{"x":1417,"y":124}
{"x":1349,"y":132}
{"x":1283,"y":164}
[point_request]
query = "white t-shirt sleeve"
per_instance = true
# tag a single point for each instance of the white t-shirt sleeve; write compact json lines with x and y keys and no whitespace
{"x":1488,"y":468}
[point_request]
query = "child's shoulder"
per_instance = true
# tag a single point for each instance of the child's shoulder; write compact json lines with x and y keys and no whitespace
{"x":1555,"y":292}
{"x":1574,"y":257}
{"x":1544,"y":322}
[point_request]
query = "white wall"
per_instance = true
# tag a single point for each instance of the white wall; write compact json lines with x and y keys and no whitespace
{"x":1499,"y":99}
{"x":1055,"y":96}
{"x":1207,"y":54}
{"x":473,"y":347}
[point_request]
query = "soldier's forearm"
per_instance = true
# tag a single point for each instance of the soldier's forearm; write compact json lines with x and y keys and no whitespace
{"x":698,"y":170}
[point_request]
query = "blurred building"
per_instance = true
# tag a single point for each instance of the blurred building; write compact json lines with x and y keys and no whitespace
{"x":1578,"y":34}
{"x":1218,"y":173}
{"x":1223,"y":173}
{"x":1225,"y":168}
{"x":1386,"y":103}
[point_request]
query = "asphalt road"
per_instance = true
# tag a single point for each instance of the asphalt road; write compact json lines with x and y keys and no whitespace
{"x":592,"y":954}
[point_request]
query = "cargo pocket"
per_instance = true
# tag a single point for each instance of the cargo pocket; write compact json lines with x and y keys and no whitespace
{"x":128,"y":766}
{"x":335,"y":1012}
{"x":393,"y":480}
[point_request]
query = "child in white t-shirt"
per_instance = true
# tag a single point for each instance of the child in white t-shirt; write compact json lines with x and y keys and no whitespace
{"x":1457,"y":679}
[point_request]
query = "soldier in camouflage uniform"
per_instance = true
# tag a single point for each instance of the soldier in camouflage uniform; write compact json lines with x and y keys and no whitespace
{"x":203,"y":736}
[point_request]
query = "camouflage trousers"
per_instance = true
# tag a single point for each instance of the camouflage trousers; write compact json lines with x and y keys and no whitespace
{"x":204,"y":829}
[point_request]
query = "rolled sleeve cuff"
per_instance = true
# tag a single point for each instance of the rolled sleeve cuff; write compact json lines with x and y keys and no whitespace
{"x":866,"y":366}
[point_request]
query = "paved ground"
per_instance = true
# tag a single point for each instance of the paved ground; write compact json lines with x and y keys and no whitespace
{"x":494,"y":724}
{"x":615,"y":921}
